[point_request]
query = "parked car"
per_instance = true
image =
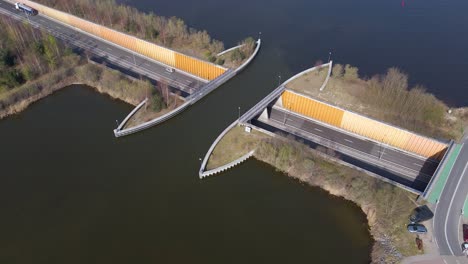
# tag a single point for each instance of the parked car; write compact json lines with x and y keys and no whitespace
{"x":171,"y":70}
{"x":465,"y":239}
{"x":416,"y":228}
{"x":421,"y":214}
{"x":465,"y":232}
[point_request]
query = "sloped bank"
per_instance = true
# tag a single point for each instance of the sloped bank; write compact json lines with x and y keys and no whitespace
{"x":33,"y":91}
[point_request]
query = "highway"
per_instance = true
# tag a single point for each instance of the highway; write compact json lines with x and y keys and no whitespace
{"x":121,"y":58}
{"x":406,"y":168}
{"x":448,"y":210}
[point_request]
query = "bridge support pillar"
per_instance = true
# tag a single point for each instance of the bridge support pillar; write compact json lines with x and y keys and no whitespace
{"x":264,"y":116}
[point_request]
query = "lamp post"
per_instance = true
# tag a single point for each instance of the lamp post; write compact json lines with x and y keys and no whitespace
{"x":32,"y":28}
{"x":238,"y":108}
{"x":286,"y":114}
{"x":134,"y":60}
{"x":329,"y":56}
{"x":382,"y":147}
{"x":279,"y":80}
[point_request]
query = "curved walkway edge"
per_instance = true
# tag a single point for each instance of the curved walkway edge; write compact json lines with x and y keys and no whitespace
{"x":210,"y":150}
{"x":330,"y":65}
{"x":132,"y":113}
{"x":227,"y":166}
{"x":193,"y":98}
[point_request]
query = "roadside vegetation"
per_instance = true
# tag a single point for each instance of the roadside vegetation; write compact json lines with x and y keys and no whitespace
{"x":387,"y":207}
{"x":389,"y":98}
{"x":33,"y":64}
{"x":161,"y":101}
{"x":168,"y":32}
{"x":236,"y":57}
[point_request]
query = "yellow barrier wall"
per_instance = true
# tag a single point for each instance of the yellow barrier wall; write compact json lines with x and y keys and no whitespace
{"x":198,"y":67}
{"x":171,"y":58}
{"x":364,"y":126}
{"x":312,"y":108}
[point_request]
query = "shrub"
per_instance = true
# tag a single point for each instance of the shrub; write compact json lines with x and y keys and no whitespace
{"x":220,"y":61}
{"x":351,"y":73}
{"x":157,"y":103}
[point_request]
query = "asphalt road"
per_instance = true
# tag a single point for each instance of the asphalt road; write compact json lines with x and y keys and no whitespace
{"x":448,"y":211}
{"x":411,"y":170}
{"x":125,"y":60}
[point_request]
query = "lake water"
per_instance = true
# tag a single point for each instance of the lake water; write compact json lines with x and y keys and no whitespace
{"x":72,"y":193}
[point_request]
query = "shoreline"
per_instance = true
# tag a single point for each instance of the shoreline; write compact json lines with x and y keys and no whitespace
{"x":383,"y":248}
{"x":69,"y":80}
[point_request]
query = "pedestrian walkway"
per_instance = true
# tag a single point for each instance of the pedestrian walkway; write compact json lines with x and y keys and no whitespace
{"x":442,"y":179}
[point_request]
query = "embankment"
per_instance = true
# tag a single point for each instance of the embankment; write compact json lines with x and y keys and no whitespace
{"x":102,"y":79}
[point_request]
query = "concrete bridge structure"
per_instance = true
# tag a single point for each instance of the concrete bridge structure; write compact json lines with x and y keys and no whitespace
{"x":192,"y":78}
{"x":390,"y":153}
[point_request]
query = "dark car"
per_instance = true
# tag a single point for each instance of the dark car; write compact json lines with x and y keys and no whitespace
{"x":416,"y":228}
{"x":421,"y":214}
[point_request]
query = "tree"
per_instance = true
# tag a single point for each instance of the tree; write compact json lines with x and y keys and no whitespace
{"x":157,"y":103}
{"x":237,"y":55}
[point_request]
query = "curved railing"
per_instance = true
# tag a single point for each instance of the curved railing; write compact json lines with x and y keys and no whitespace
{"x":330,"y":65}
{"x":148,"y":124}
{"x":132,"y":113}
{"x":210,"y":150}
{"x":307,"y":71}
{"x":228,"y":50}
{"x":193,"y":98}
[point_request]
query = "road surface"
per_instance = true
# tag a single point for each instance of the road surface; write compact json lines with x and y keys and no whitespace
{"x":408,"y":169}
{"x":125,"y":60}
{"x":448,"y":210}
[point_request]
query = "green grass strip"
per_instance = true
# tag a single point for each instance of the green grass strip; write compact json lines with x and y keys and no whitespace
{"x":439,"y":185}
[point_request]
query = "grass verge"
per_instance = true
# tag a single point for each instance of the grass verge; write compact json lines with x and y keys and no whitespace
{"x":234,"y":145}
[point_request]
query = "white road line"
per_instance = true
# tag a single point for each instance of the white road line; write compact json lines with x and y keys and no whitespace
{"x":319,"y":130}
{"x":419,"y":165}
{"x":450,"y":207}
{"x":147,"y":64}
{"x":108,"y":48}
{"x":348,"y":140}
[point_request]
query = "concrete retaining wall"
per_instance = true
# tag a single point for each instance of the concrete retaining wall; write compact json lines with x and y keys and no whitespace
{"x":227,"y":166}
